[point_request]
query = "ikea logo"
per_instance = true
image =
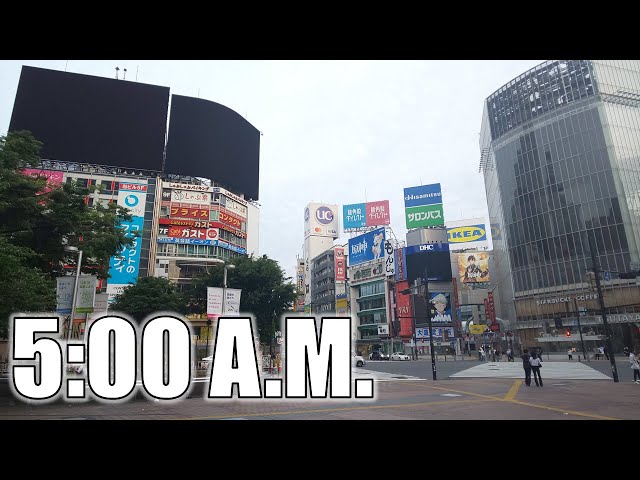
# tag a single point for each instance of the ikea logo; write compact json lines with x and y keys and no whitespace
{"x":472,"y":233}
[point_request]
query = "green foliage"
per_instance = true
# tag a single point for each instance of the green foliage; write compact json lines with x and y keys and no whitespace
{"x":24,"y":288}
{"x":266,"y":292}
{"x":149,"y":295}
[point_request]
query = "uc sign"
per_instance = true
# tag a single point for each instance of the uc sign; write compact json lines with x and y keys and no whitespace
{"x":472,"y":233}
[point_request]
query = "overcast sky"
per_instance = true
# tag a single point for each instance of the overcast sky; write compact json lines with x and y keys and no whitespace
{"x":334,"y":131}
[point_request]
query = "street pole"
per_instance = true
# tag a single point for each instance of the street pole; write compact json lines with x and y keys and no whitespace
{"x":426,"y":299}
{"x":413,"y":326}
{"x":596,"y":271}
{"x":75,"y":297}
{"x":224,"y":288}
{"x":584,"y":350}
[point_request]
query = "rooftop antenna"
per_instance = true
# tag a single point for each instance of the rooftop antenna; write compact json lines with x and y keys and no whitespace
{"x":124,"y":77}
{"x":117,"y":70}
{"x":137,"y":72}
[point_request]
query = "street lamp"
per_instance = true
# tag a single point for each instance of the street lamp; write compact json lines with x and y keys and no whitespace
{"x":69,"y":248}
{"x":224,"y":285}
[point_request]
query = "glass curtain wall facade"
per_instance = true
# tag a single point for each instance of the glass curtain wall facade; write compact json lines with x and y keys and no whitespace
{"x":560,"y":153}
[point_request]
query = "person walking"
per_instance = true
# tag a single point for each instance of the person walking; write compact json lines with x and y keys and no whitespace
{"x":536,"y":363}
{"x":570,"y":353}
{"x":481,"y":353}
{"x":635,"y":364}
{"x":527,"y":367}
{"x":509,"y":355}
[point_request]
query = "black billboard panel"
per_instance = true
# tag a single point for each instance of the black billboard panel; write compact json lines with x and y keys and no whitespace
{"x":87,"y":119}
{"x":438,"y":265}
{"x":209,"y":140}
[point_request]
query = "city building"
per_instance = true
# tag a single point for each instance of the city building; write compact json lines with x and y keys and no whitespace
{"x":323,"y":283}
{"x":560,"y":158}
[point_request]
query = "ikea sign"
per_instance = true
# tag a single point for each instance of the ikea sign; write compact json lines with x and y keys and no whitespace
{"x":471,"y":233}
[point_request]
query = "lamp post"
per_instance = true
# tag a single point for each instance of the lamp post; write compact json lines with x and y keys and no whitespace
{"x":224,"y":285}
{"x":69,"y":248}
{"x":584,"y":350}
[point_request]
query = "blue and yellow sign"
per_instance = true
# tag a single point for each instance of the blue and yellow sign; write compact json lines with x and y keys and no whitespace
{"x":471,"y":233}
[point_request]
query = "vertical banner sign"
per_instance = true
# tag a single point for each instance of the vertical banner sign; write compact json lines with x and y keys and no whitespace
{"x":86,"y":294}
{"x":404,"y":310}
{"x":340,"y":267}
{"x":389,"y":259}
{"x":232,"y":301}
{"x":494,"y":323}
{"x":401,"y":262}
{"x":214,"y":302}
{"x":456,"y":303}
{"x":423,"y":206}
{"x":124,"y":265}
{"x":487,"y":312}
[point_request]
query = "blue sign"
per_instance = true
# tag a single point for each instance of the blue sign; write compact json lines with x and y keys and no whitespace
{"x":354,"y":216}
{"x":186,"y":241}
{"x":229,"y":246}
{"x":468,"y":233}
{"x":422,"y":195}
{"x":123,"y":266}
{"x":428,"y":247}
{"x":366,"y":247}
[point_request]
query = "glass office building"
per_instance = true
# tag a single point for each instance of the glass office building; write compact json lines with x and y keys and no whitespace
{"x":560,"y":154}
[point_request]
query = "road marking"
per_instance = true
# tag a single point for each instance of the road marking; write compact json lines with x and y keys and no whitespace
{"x":513,"y":391}
{"x":554,"y":409}
{"x":450,"y":395}
{"x":337,"y":409}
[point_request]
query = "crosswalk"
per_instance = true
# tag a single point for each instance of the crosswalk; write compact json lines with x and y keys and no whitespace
{"x":549,"y":370}
{"x":380,"y":376}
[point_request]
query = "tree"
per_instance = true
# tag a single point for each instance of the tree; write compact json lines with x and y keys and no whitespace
{"x":266,"y":292}
{"x":45,"y":219}
{"x":150,"y":295}
{"x":24,"y":288}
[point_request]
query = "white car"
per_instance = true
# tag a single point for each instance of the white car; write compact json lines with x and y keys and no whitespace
{"x":400,"y":356}
{"x":357,"y":361}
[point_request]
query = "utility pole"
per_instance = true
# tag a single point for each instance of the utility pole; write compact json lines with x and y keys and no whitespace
{"x":596,"y":271}
{"x":429,"y":325}
{"x":584,"y":350}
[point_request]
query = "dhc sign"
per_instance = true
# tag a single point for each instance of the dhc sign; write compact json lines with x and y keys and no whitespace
{"x":471,"y":233}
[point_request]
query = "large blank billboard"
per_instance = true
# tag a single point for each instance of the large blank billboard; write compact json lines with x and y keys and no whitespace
{"x":209,"y":140}
{"x":87,"y":119}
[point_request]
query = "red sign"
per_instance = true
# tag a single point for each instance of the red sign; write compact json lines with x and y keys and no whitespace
{"x":340,"y":264}
{"x":212,"y":234}
{"x":230,"y":220}
{"x":235,"y":231}
{"x":53,"y":177}
{"x":492,"y":307}
{"x":185,"y":212}
{"x":187,"y":232}
{"x":185,"y":223}
{"x":378,"y":213}
{"x":404,"y":312}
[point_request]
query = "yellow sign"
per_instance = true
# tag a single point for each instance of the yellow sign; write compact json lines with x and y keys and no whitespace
{"x":341,"y":303}
{"x":471,"y":233}
{"x":477,"y":329}
{"x":473,"y":267}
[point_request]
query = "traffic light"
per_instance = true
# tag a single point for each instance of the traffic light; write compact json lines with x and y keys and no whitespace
{"x":567,"y":333}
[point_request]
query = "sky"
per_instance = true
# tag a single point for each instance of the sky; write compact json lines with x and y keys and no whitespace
{"x":337,"y":132}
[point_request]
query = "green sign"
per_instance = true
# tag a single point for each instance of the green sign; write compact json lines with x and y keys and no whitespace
{"x":424,"y":216}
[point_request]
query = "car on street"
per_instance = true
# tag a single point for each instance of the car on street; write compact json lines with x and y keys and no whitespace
{"x":377,"y":355}
{"x":357,"y":361}
{"x":400,"y":356}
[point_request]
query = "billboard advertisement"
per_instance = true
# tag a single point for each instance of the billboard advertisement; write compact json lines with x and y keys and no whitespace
{"x":389,"y":259}
{"x":440,"y":307}
{"x":404,"y":310}
{"x":445,"y":333}
{"x":370,"y":214}
{"x":340,"y":264}
{"x":473,"y":267}
{"x":189,"y":196}
{"x":53,"y":177}
{"x":423,"y":206}
{"x":123,"y":267}
{"x":367,"y":272}
{"x":321,"y":220}
{"x":226,"y":218}
{"x":188,"y":186}
{"x":467,"y":234}
{"x":366,"y":247}
{"x":432,"y":257}
{"x":217,"y":297}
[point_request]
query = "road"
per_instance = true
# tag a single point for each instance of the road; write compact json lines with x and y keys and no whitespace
{"x":403,"y":390}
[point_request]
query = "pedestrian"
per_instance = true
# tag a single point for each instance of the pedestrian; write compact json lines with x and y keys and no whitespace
{"x":536,"y":363}
{"x":509,"y":355}
{"x":481,"y":353}
{"x":527,"y":367}
{"x":635,"y":364}
{"x":570,"y":353}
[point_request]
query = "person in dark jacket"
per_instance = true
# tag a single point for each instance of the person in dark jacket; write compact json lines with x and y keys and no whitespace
{"x":527,"y":367}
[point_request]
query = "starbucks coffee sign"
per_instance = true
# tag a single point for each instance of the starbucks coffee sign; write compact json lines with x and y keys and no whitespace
{"x":580,"y":297}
